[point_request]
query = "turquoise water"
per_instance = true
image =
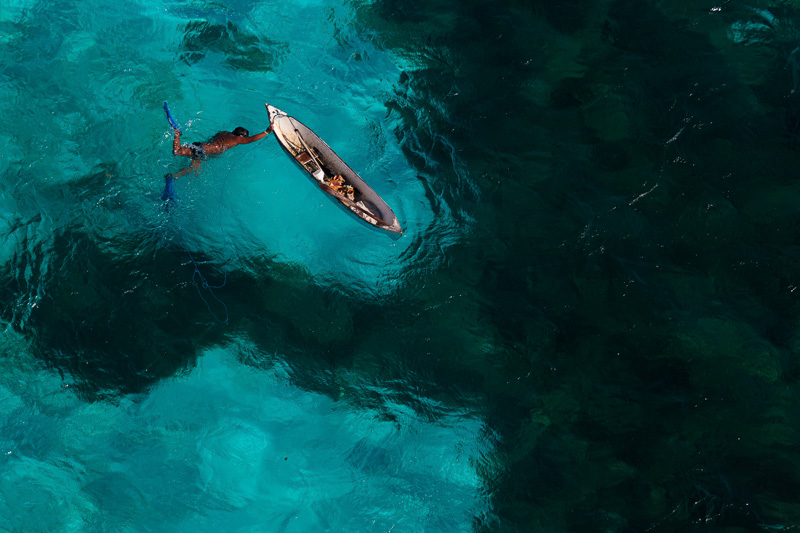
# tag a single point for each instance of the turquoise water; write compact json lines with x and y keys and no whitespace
{"x":224,"y":447}
{"x":590,"y":323}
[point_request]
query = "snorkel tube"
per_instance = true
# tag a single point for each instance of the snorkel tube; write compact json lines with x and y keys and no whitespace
{"x":170,"y":119}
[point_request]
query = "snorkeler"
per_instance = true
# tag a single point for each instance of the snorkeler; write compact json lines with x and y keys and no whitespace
{"x":218,"y":144}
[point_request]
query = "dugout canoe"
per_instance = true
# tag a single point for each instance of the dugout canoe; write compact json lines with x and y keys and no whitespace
{"x":330,"y":173}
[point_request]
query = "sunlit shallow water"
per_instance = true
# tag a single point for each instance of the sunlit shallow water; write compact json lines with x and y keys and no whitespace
{"x":233,"y":448}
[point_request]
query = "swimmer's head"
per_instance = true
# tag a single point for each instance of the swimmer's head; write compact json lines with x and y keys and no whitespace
{"x":241,"y":132}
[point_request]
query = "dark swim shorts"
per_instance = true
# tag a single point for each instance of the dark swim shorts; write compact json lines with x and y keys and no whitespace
{"x":198,"y":152}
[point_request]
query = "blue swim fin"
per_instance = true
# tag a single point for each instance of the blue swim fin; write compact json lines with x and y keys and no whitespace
{"x":169,"y":188}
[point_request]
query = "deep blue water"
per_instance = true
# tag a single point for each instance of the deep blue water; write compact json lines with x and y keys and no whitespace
{"x":590,"y":323}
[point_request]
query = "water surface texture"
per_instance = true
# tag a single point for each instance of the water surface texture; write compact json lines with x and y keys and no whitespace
{"x":590,"y":324}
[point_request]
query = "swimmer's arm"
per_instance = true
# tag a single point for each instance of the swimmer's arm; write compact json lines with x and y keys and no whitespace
{"x":177,"y":149}
{"x":256,"y":137}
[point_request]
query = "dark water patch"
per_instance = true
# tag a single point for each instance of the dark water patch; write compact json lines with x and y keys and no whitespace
{"x":610,"y":156}
{"x":571,"y":92}
{"x":125,"y":314}
{"x":110,"y":320}
{"x":371,"y":355}
{"x":641,"y":298}
{"x":568,"y":17}
{"x":240,"y":49}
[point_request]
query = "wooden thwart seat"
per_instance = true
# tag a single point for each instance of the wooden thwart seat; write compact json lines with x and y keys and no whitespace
{"x":303,"y":158}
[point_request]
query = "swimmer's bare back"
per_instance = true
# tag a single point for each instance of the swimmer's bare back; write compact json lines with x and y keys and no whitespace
{"x":218,"y":144}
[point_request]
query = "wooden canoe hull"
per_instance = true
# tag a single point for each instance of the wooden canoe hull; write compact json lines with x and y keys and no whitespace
{"x":321,"y":163}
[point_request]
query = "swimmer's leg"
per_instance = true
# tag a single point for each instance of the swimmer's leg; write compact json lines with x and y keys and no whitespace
{"x":194,"y":167}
